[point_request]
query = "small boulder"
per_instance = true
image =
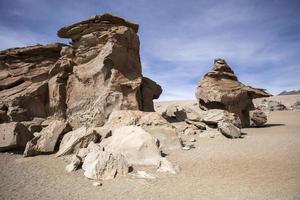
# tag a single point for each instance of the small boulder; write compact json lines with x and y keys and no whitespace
{"x":229,"y":130}
{"x":198,"y":124}
{"x":176,"y":113}
{"x":152,"y":122}
{"x":166,"y":166}
{"x":257,"y":118}
{"x":74,"y":140}
{"x":75,"y":164}
{"x":104,"y":165}
{"x":271,"y":105}
{"x":214,"y":116}
{"x":296,"y":106}
{"x":137,"y":145}
{"x":47,"y":139}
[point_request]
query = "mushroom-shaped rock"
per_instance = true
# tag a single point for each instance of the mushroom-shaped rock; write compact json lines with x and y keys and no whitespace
{"x":220,"y":89}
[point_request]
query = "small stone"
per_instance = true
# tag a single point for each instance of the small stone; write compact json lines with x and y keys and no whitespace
{"x":186,"y":148}
{"x":97,"y":184}
{"x":192,"y":140}
{"x":166,"y":166}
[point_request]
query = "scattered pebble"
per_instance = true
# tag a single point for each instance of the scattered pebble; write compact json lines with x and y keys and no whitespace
{"x":97,"y":184}
{"x":192,"y":140}
{"x":186,"y":148}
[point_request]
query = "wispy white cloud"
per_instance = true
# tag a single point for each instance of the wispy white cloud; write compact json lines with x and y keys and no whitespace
{"x":180,"y":39}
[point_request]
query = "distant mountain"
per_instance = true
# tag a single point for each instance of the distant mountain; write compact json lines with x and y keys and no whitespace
{"x":289,"y":92}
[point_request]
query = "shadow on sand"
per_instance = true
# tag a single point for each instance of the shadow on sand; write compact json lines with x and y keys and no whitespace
{"x":270,"y":125}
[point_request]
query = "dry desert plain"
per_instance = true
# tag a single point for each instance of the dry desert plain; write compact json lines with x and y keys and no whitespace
{"x":264,"y":164}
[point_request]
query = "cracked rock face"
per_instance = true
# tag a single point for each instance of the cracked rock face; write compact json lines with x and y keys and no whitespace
{"x":220,"y":89}
{"x":83,"y":83}
{"x":23,"y":81}
{"x":107,"y":72}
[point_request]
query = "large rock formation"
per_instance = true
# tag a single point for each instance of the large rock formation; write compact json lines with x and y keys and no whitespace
{"x":220,"y":89}
{"x":81,"y":83}
{"x":107,"y":72}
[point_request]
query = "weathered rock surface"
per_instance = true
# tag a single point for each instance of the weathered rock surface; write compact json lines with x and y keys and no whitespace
{"x":152,"y":122}
{"x":166,"y":166}
{"x":47,"y":139}
{"x":149,"y":90}
{"x":23,"y":81}
{"x":176,"y":113}
{"x":138,"y":146}
{"x":35,"y":125}
{"x":229,"y":130}
{"x":13,"y":136}
{"x":214,"y":116}
{"x":76,"y":162}
{"x":296,"y":106}
{"x":104,"y":165}
{"x":220,"y":89}
{"x":107,"y":71}
{"x":82,"y":83}
{"x":74,"y":140}
{"x":257,"y":118}
{"x":271,"y":105}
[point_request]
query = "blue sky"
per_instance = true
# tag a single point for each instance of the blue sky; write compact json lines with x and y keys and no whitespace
{"x":259,"y":39}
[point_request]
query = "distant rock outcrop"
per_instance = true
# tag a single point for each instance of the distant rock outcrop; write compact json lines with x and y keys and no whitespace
{"x":220,"y":89}
{"x":292,"y":92}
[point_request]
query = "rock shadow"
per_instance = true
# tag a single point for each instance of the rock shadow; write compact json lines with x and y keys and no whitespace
{"x":270,"y":125}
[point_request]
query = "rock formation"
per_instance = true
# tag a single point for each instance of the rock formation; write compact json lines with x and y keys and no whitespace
{"x":107,"y":72}
{"x":271,"y":105}
{"x":220,"y":89}
{"x":257,"y":118}
{"x":24,"y":81}
{"x":81,"y":83}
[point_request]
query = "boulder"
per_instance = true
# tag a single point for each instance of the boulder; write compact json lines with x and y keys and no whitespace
{"x":74,"y":140}
{"x":138,"y":146}
{"x":220,"y":89}
{"x":258,"y":118}
{"x":104,"y":165}
{"x":75,"y":164}
{"x":47,"y":139}
{"x":210,"y":133}
{"x":13,"y":136}
{"x":214,"y":116}
{"x":296,"y":106}
{"x":271,"y":105}
{"x":229,"y":130}
{"x":151,"y":122}
{"x":200,"y":125}
{"x":166,"y":166}
{"x":177,"y":113}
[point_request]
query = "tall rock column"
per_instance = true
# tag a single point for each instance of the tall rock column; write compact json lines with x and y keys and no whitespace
{"x":107,"y":73}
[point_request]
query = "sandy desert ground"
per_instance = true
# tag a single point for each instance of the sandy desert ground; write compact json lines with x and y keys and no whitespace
{"x":264,"y":164}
